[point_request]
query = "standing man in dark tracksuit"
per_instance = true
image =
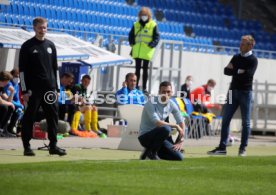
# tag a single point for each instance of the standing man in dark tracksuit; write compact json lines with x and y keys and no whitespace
{"x":39,"y":81}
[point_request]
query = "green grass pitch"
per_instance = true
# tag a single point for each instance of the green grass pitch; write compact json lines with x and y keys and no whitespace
{"x":118,"y":172}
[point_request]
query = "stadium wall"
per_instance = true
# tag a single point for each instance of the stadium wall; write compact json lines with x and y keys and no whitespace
{"x":8,"y":58}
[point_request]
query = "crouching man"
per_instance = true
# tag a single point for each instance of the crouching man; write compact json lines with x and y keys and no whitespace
{"x":155,"y":132}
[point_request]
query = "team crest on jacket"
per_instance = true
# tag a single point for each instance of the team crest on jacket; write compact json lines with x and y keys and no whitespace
{"x":49,"y":50}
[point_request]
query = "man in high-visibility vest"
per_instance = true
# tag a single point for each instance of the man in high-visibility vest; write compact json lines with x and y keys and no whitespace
{"x":143,"y":38}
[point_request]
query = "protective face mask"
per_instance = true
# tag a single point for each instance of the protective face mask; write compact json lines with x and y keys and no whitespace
{"x":144,"y":18}
{"x":189,"y":83}
{"x":15,"y":80}
{"x":210,"y":88}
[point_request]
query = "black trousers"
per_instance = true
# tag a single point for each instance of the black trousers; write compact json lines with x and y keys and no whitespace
{"x":5,"y":115}
{"x":138,"y":65}
{"x":66,"y":108}
{"x":14,"y":118}
{"x":51,"y":113}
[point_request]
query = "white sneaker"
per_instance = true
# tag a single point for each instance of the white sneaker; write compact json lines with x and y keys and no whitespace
{"x":242,"y":153}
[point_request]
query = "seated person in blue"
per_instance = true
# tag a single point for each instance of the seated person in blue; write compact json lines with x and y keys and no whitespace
{"x":128,"y":94}
{"x":154,"y":134}
{"x":18,"y":111}
{"x":66,"y":99}
{"x":6,"y":105}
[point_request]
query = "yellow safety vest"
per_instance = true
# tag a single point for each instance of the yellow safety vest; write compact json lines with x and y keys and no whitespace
{"x":143,"y":36}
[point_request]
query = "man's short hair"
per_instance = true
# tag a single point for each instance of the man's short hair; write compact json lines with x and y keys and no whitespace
{"x":13,"y":71}
{"x":128,"y":75}
{"x":67,"y":75}
{"x":86,"y":77}
{"x":39,"y":20}
{"x":211,"y":82}
{"x":5,"y":76}
{"x":249,"y":39}
{"x":165,"y":84}
{"x":189,"y":77}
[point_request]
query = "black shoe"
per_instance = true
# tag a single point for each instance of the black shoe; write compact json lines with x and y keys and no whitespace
{"x":2,"y":133}
{"x":217,"y":151}
{"x":153,"y":156}
{"x":144,"y":155}
{"x":58,"y":151}
{"x":28,"y":152}
{"x":242,"y":152}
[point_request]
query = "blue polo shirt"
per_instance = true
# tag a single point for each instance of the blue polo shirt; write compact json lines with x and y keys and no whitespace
{"x":63,"y":97}
{"x":127,"y":96}
{"x":16,"y":100}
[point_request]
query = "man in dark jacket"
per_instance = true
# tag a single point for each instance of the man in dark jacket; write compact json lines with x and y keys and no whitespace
{"x":39,"y":83}
{"x":242,"y":68}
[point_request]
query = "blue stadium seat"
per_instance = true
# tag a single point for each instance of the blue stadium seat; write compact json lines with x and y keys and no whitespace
{"x":43,"y":11}
{"x":8,"y":19}
{"x":46,"y":2}
{"x":70,"y":3}
{"x":14,"y":8}
{"x":86,"y":5}
{"x":50,"y":24}
{"x":66,"y":25}
{"x":32,"y":10}
{"x":79,"y":17}
{"x":71,"y":26}
{"x":60,"y":25}
{"x":48,"y":12}
{"x":93,"y":18}
{"x":2,"y":19}
{"x":7,"y":9}
{"x":79,"y":4}
{"x":60,"y":3}
{"x":15,"y":19}
{"x":37,"y":11}
{"x":20,"y":20}
{"x":28,"y":21}
{"x":21,"y":9}
{"x":63,"y":14}
{"x":98,"y":7}
{"x":58,"y":14}
{"x":73,"y":14}
{"x":3,"y":10}
{"x":84,"y":16}
{"x":53,"y":12}
{"x":55,"y":24}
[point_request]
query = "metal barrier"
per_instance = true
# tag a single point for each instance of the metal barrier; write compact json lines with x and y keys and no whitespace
{"x":160,"y":48}
{"x":264,"y":107}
